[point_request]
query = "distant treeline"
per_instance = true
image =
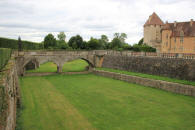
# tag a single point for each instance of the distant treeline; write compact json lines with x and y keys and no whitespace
{"x":13,"y":44}
{"x":5,"y":54}
{"x":77,"y":43}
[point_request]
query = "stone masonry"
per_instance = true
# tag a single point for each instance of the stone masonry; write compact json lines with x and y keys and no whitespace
{"x":169,"y":67}
{"x":9,"y":96}
{"x":167,"y":86}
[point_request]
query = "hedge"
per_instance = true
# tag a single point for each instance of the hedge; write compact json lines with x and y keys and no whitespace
{"x":5,"y":54}
{"x":13,"y":44}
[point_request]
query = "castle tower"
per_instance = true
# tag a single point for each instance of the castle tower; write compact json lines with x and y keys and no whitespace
{"x":152,"y":31}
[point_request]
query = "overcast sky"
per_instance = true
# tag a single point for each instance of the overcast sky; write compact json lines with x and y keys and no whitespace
{"x":33,"y":19}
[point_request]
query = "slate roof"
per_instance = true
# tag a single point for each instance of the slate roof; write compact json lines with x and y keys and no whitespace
{"x":154,"y":19}
{"x":184,"y":27}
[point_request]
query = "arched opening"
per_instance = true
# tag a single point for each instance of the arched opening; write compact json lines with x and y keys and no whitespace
{"x":77,"y":65}
{"x":30,"y":66}
{"x":44,"y":67}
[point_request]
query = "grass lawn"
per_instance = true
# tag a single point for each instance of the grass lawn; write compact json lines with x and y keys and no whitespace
{"x":149,"y":76}
{"x":73,"y":66}
{"x":81,"y":102}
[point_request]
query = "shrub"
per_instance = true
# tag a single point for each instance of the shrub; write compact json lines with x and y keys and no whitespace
{"x":13,"y":44}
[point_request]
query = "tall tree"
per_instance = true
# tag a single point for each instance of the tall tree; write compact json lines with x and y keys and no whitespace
{"x":76,"y":42}
{"x":49,"y":41}
{"x":19,"y":44}
{"x":94,"y":44}
{"x":104,"y":42}
{"x":61,"y":36}
{"x":141,"y":41}
{"x":121,"y":36}
{"x":61,"y":43}
{"x":116,"y":43}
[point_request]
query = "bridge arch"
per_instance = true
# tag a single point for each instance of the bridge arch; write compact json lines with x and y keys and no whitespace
{"x":37,"y":61}
{"x":93,"y":58}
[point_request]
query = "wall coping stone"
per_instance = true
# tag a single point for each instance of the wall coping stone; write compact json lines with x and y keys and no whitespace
{"x":164,"y":85}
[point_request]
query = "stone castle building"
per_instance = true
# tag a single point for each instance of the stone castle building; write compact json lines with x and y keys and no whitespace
{"x":177,"y":37}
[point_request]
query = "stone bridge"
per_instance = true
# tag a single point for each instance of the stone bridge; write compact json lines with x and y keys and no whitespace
{"x":35,"y":58}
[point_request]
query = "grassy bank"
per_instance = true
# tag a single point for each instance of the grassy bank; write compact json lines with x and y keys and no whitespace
{"x":73,"y":66}
{"x":149,"y":76}
{"x":75,"y":102}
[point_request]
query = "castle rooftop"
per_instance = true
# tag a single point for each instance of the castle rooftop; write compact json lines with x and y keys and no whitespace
{"x":154,"y":19}
{"x":188,"y":28}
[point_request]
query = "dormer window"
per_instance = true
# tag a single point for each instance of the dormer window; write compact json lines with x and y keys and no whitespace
{"x":181,"y":37}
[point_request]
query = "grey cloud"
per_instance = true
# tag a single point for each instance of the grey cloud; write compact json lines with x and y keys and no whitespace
{"x":33,"y":19}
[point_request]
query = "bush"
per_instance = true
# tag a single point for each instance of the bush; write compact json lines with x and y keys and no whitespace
{"x":143,"y":48}
{"x":4,"y":57}
{"x":13,"y":44}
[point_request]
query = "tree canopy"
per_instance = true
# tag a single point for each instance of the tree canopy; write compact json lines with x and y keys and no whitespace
{"x":76,"y":42}
{"x":49,"y":41}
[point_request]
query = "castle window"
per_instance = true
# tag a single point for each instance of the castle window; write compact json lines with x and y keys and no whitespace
{"x":175,"y":40}
{"x":167,"y":36}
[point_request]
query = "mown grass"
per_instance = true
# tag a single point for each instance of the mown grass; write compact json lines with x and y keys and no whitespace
{"x":80,"y":102}
{"x":73,"y":66}
{"x":149,"y":76}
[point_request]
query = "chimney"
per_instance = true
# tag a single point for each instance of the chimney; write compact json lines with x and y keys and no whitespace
{"x":191,"y":22}
{"x":175,"y":23}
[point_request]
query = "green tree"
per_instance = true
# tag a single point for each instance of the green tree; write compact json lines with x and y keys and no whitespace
{"x":141,"y":41}
{"x":61,"y":36}
{"x":136,"y":48}
{"x":121,"y":36}
{"x":19,"y":44}
{"x":49,"y":41}
{"x":104,"y":42}
{"x":127,"y":47}
{"x":76,"y":42}
{"x":85,"y":45}
{"x":61,"y":43}
{"x":116,"y":43}
{"x":147,"y":48}
{"x":94,"y":43}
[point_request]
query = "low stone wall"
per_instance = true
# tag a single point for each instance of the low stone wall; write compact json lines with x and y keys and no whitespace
{"x":53,"y":73}
{"x":168,"y":86}
{"x":169,"y":67}
{"x":9,"y":96}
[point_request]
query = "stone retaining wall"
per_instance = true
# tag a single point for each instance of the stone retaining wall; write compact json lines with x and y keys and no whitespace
{"x":9,"y":96}
{"x":167,"y":86}
{"x":53,"y":73}
{"x":169,"y":67}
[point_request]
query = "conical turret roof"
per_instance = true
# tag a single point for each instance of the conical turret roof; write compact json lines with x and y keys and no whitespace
{"x":154,"y":19}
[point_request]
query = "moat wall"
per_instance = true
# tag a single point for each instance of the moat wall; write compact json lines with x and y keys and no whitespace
{"x":170,"y":67}
{"x":167,"y":86}
{"x":9,"y":96}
